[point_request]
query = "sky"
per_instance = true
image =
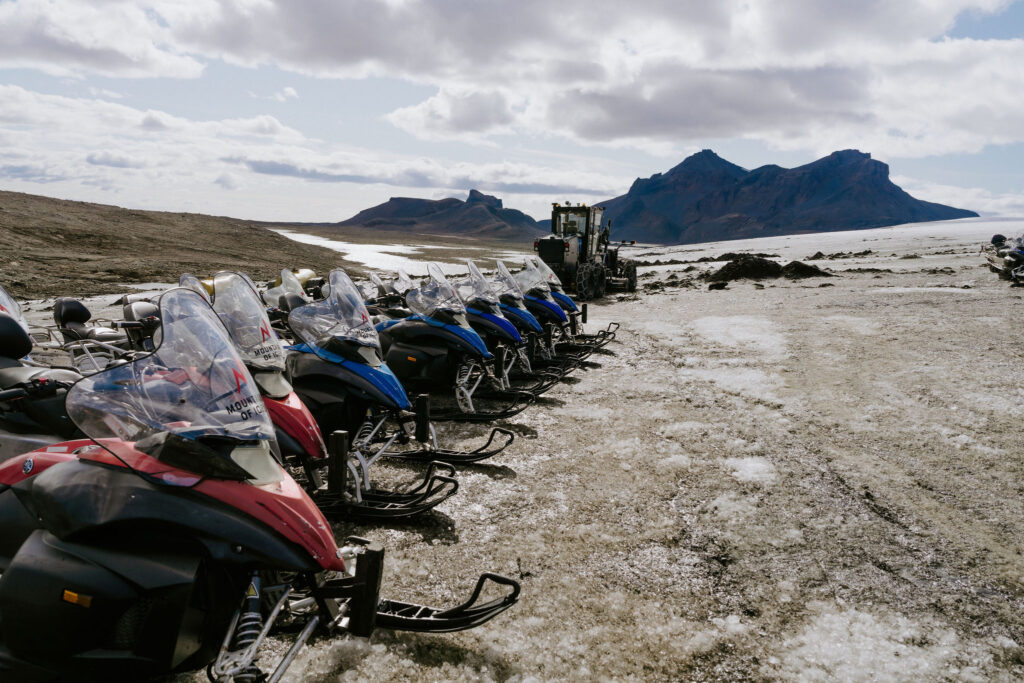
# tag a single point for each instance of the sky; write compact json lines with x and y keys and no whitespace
{"x":312,"y":110}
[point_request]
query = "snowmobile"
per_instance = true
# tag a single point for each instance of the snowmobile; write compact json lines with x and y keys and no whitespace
{"x":510,"y":349}
{"x":33,"y":416}
{"x":338,"y":371}
{"x":435,"y":350}
{"x":298,"y":434}
{"x":170,"y":539}
{"x":542,"y":335}
{"x":1006,"y":257}
{"x":577,"y":318}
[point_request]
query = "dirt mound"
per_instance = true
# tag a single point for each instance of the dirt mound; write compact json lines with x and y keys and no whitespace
{"x":747,"y":266}
{"x":797,"y":270}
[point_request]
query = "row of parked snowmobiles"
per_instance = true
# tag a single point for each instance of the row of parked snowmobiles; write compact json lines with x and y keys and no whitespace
{"x":165,"y":496}
{"x":1005,"y":256}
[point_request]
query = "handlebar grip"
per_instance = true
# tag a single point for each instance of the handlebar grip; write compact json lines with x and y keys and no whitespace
{"x":11,"y":394}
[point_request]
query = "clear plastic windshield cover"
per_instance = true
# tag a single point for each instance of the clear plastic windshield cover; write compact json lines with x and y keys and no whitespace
{"x":403,"y":283}
{"x":194,"y":385}
{"x":242,"y":312}
{"x":475,"y":286}
{"x":530,"y":279}
{"x":554,"y":283}
{"x":436,"y":294}
{"x":383,"y":288}
{"x":11,"y":307}
{"x":342,"y":315}
{"x":289,"y":285}
{"x":189,"y":281}
{"x":505,"y":284}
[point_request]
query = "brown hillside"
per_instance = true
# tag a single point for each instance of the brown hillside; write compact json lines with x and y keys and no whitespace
{"x":54,"y":247}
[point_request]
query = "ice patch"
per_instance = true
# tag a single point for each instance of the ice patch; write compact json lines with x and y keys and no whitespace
{"x":908,"y":290}
{"x":738,"y":331}
{"x":681,"y":429}
{"x":860,"y":646}
{"x":732,"y":507}
{"x":753,"y":469}
{"x":747,"y":381}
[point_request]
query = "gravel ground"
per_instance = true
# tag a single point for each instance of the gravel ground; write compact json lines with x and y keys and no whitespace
{"x":792,"y":481}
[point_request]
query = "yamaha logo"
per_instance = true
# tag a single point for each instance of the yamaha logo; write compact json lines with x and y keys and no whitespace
{"x":27,"y":466}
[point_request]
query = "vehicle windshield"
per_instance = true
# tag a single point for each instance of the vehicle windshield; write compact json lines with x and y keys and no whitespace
{"x":402,"y":283}
{"x":532,"y":281}
{"x":11,"y":307}
{"x":554,"y":283}
{"x":341,"y":316}
{"x":434,"y":295}
{"x":242,"y":312}
{"x":189,"y":281}
{"x":475,"y":287}
{"x":505,"y":285}
{"x":190,"y":403}
{"x":289,"y":285}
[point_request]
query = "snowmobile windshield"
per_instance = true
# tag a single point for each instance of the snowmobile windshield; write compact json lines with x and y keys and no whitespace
{"x":289,"y":285}
{"x":554,"y":283}
{"x":506,"y":288}
{"x":11,"y":307}
{"x":341,"y":317}
{"x":532,"y":281}
{"x":382,"y":288}
{"x":190,"y":404}
{"x":189,"y":281}
{"x":242,"y":312}
{"x":435,"y":296}
{"x":402,"y":283}
{"x":476,"y":287}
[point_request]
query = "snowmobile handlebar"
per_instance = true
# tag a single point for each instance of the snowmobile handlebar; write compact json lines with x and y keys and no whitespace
{"x":12,"y":394}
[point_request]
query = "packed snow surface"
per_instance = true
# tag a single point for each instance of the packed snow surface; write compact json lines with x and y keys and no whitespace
{"x":787,"y":482}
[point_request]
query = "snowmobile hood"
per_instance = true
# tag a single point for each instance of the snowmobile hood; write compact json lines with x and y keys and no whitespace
{"x":522,"y":316}
{"x":550,"y":305}
{"x":467,"y":334}
{"x":500,"y":322}
{"x":381,"y":376}
{"x":564,"y":301}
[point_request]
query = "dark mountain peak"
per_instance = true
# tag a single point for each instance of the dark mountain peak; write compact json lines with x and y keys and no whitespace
{"x":478,"y":197}
{"x":706,"y":198}
{"x":706,"y":161}
{"x":480,"y":215}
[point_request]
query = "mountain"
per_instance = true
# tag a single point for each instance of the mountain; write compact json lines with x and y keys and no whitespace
{"x":480,"y":215}
{"x":706,"y":199}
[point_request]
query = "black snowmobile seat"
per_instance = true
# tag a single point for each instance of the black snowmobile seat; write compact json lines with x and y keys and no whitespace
{"x":14,"y":341}
{"x":290,"y":301}
{"x":71,"y":317}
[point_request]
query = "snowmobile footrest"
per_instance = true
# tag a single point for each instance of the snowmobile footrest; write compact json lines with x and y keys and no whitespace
{"x":402,"y":616}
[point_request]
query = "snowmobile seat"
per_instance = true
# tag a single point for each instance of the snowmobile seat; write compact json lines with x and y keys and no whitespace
{"x":290,"y":301}
{"x":14,"y":341}
{"x":71,"y":317}
{"x":11,"y":377}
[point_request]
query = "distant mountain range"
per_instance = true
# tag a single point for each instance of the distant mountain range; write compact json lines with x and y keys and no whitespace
{"x":480,"y":215}
{"x":706,"y":198}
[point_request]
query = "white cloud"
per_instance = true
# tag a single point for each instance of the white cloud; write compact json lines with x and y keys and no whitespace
{"x":977,"y":199}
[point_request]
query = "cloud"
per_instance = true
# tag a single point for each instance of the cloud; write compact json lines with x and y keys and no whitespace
{"x":65,"y":37}
{"x":977,"y":199}
{"x":113,"y":160}
{"x":28,"y":172}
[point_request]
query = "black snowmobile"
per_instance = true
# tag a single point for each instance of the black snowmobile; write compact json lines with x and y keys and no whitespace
{"x":337,"y":369}
{"x":171,"y":539}
{"x":435,"y":350}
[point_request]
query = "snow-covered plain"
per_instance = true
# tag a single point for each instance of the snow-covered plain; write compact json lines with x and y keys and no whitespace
{"x":797,"y":482}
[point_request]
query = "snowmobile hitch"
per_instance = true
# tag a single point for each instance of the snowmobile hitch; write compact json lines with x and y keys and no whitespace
{"x":402,"y":616}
